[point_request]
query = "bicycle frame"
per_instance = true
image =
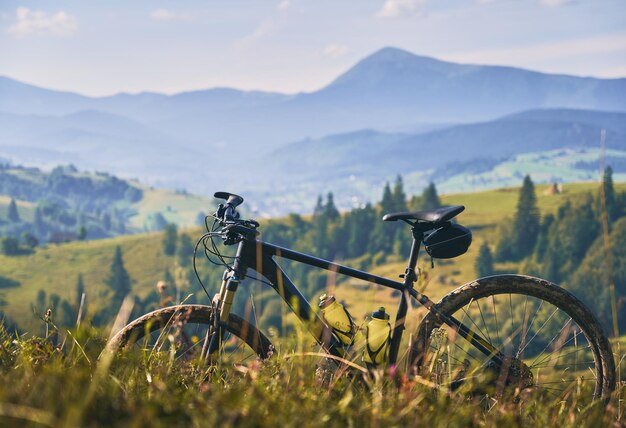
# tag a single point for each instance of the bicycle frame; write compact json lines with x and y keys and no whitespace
{"x":259,"y":256}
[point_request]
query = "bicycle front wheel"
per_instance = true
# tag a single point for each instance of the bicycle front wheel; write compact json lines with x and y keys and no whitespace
{"x":550,"y":341}
{"x":184,"y":331}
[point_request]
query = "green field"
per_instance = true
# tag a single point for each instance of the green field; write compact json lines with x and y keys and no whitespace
{"x":176,"y":207}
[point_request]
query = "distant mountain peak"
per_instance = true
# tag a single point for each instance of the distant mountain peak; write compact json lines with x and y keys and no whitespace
{"x":390,"y":63}
{"x":391,"y":53}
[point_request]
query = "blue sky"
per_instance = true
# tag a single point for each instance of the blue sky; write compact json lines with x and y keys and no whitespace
{"x":101,"y":48}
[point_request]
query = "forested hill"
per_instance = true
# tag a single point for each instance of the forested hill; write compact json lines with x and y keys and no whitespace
{"x":65,"y":204}
{"x":358,"y":238}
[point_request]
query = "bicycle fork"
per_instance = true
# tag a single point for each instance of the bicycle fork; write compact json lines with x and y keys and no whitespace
{"x":222,"y":304}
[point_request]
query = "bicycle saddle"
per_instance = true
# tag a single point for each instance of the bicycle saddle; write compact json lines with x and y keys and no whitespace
{"x":437,"y":215}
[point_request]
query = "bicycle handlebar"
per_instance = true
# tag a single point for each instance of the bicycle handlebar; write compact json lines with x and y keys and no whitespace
{"x":234,"y":229}
{"x":229,"y":213}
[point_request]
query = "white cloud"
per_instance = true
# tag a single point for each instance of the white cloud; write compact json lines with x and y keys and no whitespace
{"x":538,"y":55}
{"x":262,"y":30}
{"x":397,"y":8}
{"x":334,"y":51}
{"x":37,"y":22}
{"x":162,"y":15}
{"x":284,"y":4}
{"x":554,"y":3}
{"x":168,"y":15}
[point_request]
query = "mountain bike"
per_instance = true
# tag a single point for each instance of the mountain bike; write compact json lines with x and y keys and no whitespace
{"x":493,"y":334}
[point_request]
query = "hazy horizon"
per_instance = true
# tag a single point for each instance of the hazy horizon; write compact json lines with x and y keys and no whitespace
{"x":298,"y":92}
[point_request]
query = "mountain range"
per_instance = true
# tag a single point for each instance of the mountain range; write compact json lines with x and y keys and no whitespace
{"x":392,"y":112}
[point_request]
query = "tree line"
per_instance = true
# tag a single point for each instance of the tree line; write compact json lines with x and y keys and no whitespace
{"x":68,"y":205}
{"x":569,"y":247}
{"x":562,"y":247}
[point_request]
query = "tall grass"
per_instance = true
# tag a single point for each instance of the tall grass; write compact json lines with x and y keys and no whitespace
{"x":50,"y":384}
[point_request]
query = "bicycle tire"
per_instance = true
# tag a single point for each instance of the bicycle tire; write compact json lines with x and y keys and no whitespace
{"x":459,"y":303}
{"x":201,"y":315}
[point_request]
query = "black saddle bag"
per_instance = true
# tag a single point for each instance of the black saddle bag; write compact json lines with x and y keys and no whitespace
{"x":448,"y":241}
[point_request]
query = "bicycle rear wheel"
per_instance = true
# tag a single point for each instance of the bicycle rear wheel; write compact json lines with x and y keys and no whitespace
{"x":184,"y":330}
{"x":550,"y":340}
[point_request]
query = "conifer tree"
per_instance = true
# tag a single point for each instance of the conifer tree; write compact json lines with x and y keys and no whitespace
{"x":184,"y":250}
{"x":38,"y":224}
{"x":330,"y":210}
{"x":54,"y":301}
{"x":556,"y":259}
{"x":66,"y":316}
{"x":384,"y":232}
{"x":399,"y":197}
{"x":387,"y":203}
{"x":159,"y":222}
{"x":360,"y":224}
{"x":402,"y":235}
{"x":82,"y":233}
{"x":41,"y":301}
{"x":320,"y":234}
{"x":118,"y":279}
{"x":609,"y":194}
{"x":527,"y":221}
{"x":319,"y":207}
{"x":430,"y":198}
{"x":170,"y":236}
{"x":542,"y":241}
{"x":484,"y":261}
{"x":13,"y":215}
{"x":580,"y":228}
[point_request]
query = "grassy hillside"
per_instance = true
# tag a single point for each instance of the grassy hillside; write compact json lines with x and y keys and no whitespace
{"x":561,"y":165}
{"x":177,"y":207}
{"x":105,"y":205}
{"x":55,"y":268}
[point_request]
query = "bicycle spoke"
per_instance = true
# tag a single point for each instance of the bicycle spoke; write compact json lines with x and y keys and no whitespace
{"x":560,"y":356}
{"x":468,"y":316}
{"x":495,"y":316}
{"x":541,"y":328}
{"x":563,"y":346}
{"x":549,"y":343}
{"x":483,"y":318}
{"x":519,"y":351}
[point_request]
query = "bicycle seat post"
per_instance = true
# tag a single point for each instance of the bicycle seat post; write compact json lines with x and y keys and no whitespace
{"x":410,"y":277}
